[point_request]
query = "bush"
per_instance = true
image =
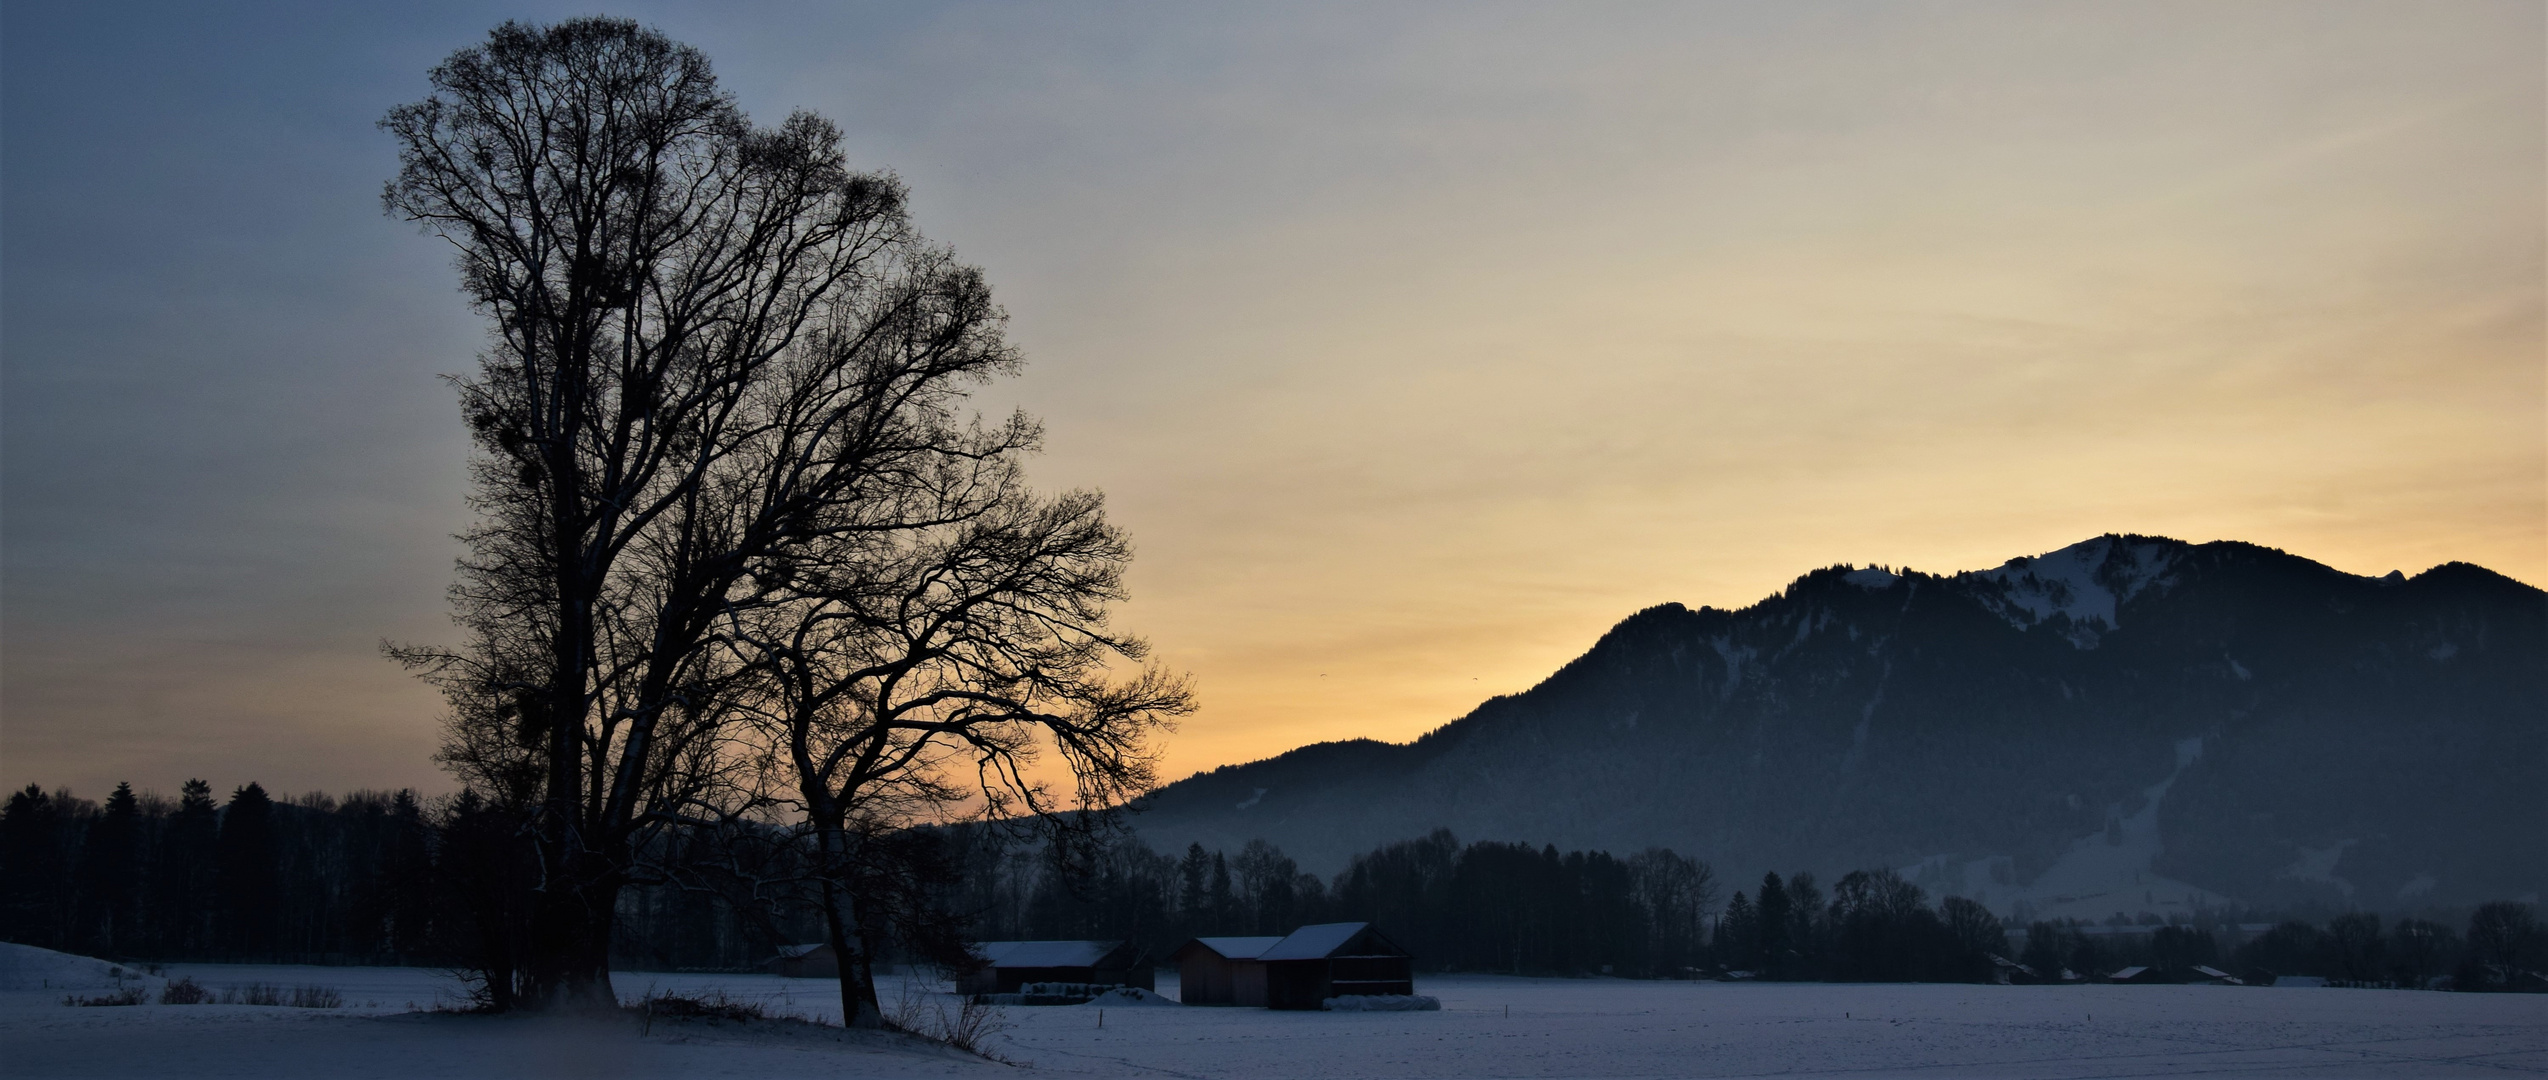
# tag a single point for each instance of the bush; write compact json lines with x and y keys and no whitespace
{"x":713,"y":1007}
{"x":316,"y":997}
{"x":184,"y":991}
{"x":122,"y":995}
{"x":253,"y":994}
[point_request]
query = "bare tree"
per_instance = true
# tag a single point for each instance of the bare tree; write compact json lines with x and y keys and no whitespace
{"x":1679,"y":892}
{"x":711,"y":344}
{"x":903,"y":674}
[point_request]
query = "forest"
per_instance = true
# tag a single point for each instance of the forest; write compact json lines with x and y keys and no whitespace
{"x":397,"y":878}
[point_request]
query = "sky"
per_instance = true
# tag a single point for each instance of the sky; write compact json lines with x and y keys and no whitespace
{"x":1414,"y":344}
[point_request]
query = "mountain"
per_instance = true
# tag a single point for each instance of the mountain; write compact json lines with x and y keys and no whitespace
{"x":2131,"y":723}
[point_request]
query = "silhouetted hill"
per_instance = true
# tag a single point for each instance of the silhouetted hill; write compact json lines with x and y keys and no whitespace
{"x":2131,"y":723}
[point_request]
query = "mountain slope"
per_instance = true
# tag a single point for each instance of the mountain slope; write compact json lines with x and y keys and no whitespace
{"x":2130,"y":723}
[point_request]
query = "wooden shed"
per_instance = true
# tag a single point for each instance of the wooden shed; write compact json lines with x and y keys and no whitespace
{"x":805,"y":962}
{"x":1008,"y":965}
{"x":1222,"y":970}
{"x":1334,"y":960}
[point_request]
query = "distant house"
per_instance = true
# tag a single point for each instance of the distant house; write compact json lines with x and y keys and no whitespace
{"x":1008,"y":965}
{"x":1334,"y":960}
{"x":805,"y":962}
{"x":1222,"y":970}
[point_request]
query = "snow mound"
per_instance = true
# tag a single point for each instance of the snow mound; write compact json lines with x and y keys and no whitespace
{"x":1382,"y":1003}
{"x":1130,"y":997}
{"x":25,"y":967}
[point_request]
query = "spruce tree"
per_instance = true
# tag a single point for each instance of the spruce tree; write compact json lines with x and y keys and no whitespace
{"x":1776,"y":924}
{"x":1190,"y":896}
{"x":407,"y":878}
{"x":1738,"y":935}
{"x":1224,"y":905}
{"x":181,"y":879}
{"x":110,"y":877}
{"x":31,"y":866}
{"x":245,"y":874}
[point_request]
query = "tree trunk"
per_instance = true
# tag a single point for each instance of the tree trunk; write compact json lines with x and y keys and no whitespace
{"x":858,"y":1006}
{"x":571,"y":920}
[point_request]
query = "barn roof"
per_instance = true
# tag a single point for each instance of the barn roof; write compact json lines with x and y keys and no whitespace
{"x":791,"y":952}
{"x":1043,"y":954}
{"x":1238,"y":948}
{"x":1315,"y":942}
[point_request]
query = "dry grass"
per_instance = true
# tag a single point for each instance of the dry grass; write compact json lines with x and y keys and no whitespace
{"x":714,"y":1007}
{"x":968,"y":1026}
{"x":122,"y":995}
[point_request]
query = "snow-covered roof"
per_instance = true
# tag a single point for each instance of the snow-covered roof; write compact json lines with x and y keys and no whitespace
{"x":2213,"y":972}
{"x":2127,"y":973}
{"x":1238,"y":948}
{"x":1314,"y":942}
{"x":1040,"y":954}
{"x":791,"y":952}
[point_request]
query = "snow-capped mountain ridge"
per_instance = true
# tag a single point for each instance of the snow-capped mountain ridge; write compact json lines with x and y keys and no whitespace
{"x":1993,"y":722}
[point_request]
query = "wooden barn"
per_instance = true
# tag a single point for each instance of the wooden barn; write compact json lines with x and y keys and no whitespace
{"x":1334,"y":960}
{"x":804,"y":962}
{"x":1222,"y":970}
{"x":1008,"y":965}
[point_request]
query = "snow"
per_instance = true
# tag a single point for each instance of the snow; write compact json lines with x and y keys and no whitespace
{"x":1131,"y":997}
{"x":1313,"y":942}
{"x":1239,"y":948}
{"x":2084,"y":583}
{"x":1872,"y":577}
{"x":27,"y":969}
{"x":2318,"y":866}
{"x":2099,"y":875}
{"x":1382,"y":1003}
{"x":1491,"y":1027}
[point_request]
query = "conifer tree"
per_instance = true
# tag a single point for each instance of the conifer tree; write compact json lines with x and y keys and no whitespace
{"x":1222,"y":903}
{"x":31,"y":866}
{"x":182,"y":874}
{"x":245,"y":875}
{"x":110,"y":876}
{"x":1190,"y":896}
{"x":1777,"y":923}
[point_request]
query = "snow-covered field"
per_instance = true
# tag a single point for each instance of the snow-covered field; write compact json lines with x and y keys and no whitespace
{"x":1488,"y":1027}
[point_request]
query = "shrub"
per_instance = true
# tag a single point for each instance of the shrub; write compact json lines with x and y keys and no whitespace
{"x":184,"y":991}
{"x":316,"y":997}
{"x":968,"y":1028}
{"x":253,"y":994}
{"x":713,"y":1007}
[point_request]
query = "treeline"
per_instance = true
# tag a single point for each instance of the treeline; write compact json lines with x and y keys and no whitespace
{"x":1495,"y":907}
{"x":2505,"y":948}
{"x":143,"y":876}
{"x":1873,"y":927}
{"x":367,"y":878}
{"x":392,"y":878}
